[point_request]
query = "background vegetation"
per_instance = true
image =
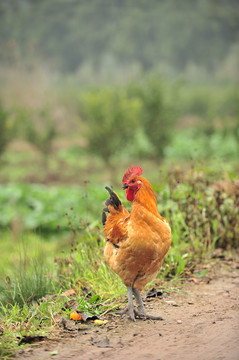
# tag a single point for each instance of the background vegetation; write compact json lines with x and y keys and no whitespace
{"x":124,"y":34}
{"x":88,"y":89}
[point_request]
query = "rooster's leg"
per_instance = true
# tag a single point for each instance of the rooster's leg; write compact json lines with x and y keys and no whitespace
{"x":130,"y":307}
{"x":140,"y":303}
{"x":141,"y":309}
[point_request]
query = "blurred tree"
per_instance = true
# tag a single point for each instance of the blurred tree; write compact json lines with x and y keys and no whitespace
{"x":66,"y":34}
{"x":111,"y":118}
{"x":37,"y":128}
{"x":41,"y":133}
{"x":158,"y":111}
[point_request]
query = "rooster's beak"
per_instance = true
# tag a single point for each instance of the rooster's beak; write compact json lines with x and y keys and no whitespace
{"x":124,"y":186}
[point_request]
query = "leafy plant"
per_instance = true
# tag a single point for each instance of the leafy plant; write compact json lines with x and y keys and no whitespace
{"x":45,"y":208}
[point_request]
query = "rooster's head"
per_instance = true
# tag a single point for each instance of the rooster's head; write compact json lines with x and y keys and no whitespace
{"x":131,"y":181}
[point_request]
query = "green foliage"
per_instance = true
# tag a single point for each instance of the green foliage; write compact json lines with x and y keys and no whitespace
{"x":111,"y":118}
{"x":203,"y":212}
{"x":208,"y":123}
{"x":47,"y":208}
{"x":192,"y":201}
{"x":203,"y":215}
{"x":190,"y":143}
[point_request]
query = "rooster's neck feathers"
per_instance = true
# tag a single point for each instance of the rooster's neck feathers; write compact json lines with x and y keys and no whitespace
{"x":145,"y":197}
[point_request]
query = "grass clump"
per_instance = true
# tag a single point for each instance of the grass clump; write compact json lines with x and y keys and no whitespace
{"x":30,"y":283}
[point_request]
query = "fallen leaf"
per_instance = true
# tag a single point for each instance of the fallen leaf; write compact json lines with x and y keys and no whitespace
{"x":76,"y":316}
{"x":69,"y":292}
{"x":100,"y":322}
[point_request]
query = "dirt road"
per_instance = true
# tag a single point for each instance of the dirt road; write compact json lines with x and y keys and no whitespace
{"x":201,"y":323}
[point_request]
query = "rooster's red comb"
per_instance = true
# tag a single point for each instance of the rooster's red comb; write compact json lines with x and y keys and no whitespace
{"x":135,"y":170}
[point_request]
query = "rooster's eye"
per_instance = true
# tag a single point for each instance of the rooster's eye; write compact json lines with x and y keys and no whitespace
{"x":133,"y":181}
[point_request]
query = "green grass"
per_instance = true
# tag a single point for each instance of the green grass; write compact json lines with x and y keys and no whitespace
{"x":30,"y":301}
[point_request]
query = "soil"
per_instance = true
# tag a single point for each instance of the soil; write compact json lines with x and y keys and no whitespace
{"x":201,"y":322}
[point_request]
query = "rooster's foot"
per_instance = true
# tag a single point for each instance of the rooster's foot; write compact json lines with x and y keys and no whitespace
{"x":141,"y":313}
{"x":130,"y":311}
{"x":145,"y":316}
{"x":138,"y":314}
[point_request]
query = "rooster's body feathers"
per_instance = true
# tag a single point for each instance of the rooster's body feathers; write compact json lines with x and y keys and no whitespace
{"x":136,"y":242}
{"x":142,"y":238}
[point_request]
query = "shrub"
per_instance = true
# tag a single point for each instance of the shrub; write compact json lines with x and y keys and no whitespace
{"x":111,"y":118}
{"x":37,"y":128}
{"x":202,"y":212}
{"x":158,"y":111}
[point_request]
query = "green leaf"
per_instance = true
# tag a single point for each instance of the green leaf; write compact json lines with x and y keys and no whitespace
{"x":55,"y":352}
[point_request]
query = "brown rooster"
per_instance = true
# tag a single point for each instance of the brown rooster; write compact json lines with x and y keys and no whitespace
{"x":136,"y":242}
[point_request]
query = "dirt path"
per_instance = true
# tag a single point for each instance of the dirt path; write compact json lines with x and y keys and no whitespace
{"x":201,"y":323}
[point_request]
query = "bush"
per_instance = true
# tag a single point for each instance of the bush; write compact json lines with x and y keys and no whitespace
{"x":203,"y":213}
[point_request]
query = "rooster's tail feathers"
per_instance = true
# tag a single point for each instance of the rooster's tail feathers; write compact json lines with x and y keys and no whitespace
{"x":113,"y":202}
{"x":113,"y":198}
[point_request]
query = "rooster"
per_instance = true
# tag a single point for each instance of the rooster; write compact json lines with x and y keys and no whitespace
{"x":136,"y":242}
